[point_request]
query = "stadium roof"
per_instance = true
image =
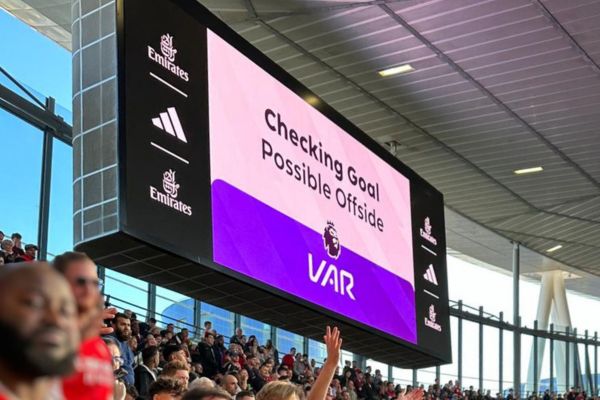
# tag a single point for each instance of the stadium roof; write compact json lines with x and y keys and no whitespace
{"x":497,"y":86}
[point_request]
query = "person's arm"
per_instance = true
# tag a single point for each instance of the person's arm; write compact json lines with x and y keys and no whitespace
{"x":333,"y":342}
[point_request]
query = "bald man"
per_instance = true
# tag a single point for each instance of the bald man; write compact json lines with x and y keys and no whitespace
{"x":38,"y":330}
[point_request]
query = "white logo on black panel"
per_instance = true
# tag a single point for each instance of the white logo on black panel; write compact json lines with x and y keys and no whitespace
{"x":430,"y":320}
{"x":168,"y":196}
{"x":169,"y":122}
{"x":166,"y":57}
{"x":429,"y":275}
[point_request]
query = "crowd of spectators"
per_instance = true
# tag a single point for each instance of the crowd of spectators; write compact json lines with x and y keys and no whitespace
{"x":60,"y":340}
{"x":11,"y":250}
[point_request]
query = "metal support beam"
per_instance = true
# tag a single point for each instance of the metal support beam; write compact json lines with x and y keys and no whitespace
{"x":438,"y":374}
{"x":517,"y":322}
{"x":460,"y":342}
{"x":552,"y":388}
{"x":414,"y":378}
{"x":535,"y":359}
{"x":45,"y":186}
{"x":151,"y":300}
{"x":481,"y":349}
{"x":501,"y":355}
{"x":198,"y":318}
{"x":567,"y":361}
{"x":596,"y":364}
{"x":38,"y":117}
{"x":237,"y":321}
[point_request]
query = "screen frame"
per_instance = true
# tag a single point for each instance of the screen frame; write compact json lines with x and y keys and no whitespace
{"x":213,"y":23}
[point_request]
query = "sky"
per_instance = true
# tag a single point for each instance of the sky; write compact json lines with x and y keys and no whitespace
{"x":44,"y":67}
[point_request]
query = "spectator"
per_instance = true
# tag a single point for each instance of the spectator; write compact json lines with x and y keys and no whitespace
{"x":30,"y":253}
{"x":145,"y":373}
{"x":202,"y":383}
{"x":244,"y":395}
{"x":230,"y":384}
{"x":93,"y":377}
{"x":120,"y":388}
{"x":174,"y":352}
{"x":1,"y":236}
{"x":177,"y":370}
{"x":238,"y":337}
{"x":208,"y":328}
{"x":183,"y":337}
{"x":122,"y":331}
{"x":288,"y":359}
{"x":166,"y":389}
{"x":208,"y":357}
{"x":207,"y":394}
{"x":271,"y":352}
{"x":16,"y":238}
{"x":233,"y":365}
{"x":283,"y":373}
{"x":132,"y":393}
{"x":8,"y":254}
{"x":38,"y":330}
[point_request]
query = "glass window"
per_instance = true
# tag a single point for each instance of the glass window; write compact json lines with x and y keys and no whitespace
{"x":490,"y":358}
{"x":126,"y":293}
{"x":470,"y":354}
{"x":174,"y":308}
{"x":376,"y":365}
{"x":22,"y":168}
{"x":259,"y":329}
{"x":317,"y":350}
{"x":60,"y":227}
{"x":222,"y":320}
{"x":402,"y":376}
{"x":286,"y":340}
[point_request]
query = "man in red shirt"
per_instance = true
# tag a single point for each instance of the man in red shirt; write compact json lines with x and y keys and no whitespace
{"x":288,"y":359}
{"x":93,"y":378}
{"x":38,"y":331}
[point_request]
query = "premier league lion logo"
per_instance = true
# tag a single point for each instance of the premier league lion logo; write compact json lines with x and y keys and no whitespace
{"x":331,"y":241}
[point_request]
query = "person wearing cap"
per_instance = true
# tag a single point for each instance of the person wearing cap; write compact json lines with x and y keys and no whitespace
{"x":30,"y":253}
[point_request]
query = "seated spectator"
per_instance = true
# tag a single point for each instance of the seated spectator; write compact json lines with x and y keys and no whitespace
{"x":207,"y":394}
{"x":132,"y":393}
{"x":166,"y":389}
{"x":202,"y":383}
{"x":38,"y":330}
{"x":16,"y":238}
{"x":177,"y":370}
{"x":145,"y":373}
{"x":8,"y":254}
{"x":230,"y":384}
{"x":120,"y":388}
{"x":244,"y":395}
{"x":30,"y":253}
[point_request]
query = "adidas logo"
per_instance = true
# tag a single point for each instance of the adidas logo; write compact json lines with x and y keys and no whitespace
{"x":429,"y":275}
{"x":169,"y":122}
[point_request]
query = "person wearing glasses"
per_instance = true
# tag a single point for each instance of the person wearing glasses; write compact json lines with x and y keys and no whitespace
{"x":93,"y":378}
{"x":117,"y":361}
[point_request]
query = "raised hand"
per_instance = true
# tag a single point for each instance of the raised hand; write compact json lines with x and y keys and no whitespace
{"x":333,"y":343}
{"x":416,"y":394}
{"x":107,"y":313}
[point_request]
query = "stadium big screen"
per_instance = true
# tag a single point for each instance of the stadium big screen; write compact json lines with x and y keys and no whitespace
{"x":228,"y":161}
